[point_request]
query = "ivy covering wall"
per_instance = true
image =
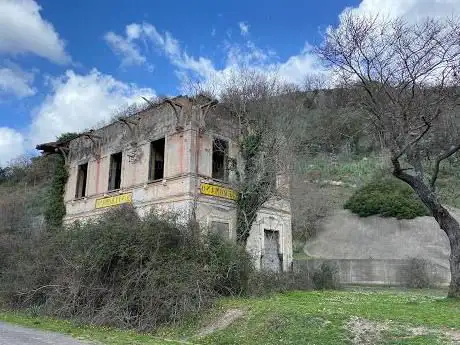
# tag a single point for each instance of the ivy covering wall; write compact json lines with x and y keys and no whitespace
{"x":55,"y":207}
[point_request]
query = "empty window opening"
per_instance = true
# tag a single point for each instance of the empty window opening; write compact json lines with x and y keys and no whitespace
{"x":219,"y":159}
{"x":115,"y":171}
{"x":221,"y":228}
{"x":82,"y":176}
{"x":157,"y":159}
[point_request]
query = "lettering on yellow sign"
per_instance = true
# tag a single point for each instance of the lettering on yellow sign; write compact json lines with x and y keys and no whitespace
{"x":221,"y":192}
{"x":110,"y":201}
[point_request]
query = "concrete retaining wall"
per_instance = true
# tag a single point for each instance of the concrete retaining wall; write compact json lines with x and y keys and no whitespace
{"x":389,"y":272}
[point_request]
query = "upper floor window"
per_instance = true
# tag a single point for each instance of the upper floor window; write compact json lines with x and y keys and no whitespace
{"x":115,"y":171}
{"x":219,"y":159}
{"x":82,"y":176}
{"x":157,"y":159}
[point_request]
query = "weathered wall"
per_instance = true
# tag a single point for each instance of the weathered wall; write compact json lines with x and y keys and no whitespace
{"x":347,"y":236}
{"x":276,"y":221}
{"x":146,"y":195}
{"x":389,"y":272}
{"x":188,"y":163}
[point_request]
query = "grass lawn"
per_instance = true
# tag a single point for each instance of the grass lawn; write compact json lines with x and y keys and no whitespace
{"x":323,"y":318}
{"x":102,"y":335}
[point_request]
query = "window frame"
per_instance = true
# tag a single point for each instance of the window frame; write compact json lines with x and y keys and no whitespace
{"x":151,"y":169}
{"x":211,"y":219}
{"x":81,"y":187}
{"x":111,"y":169}
{"x":225,"y":159}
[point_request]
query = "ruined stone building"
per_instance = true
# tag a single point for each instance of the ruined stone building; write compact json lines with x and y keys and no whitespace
{"x":174,"y":155}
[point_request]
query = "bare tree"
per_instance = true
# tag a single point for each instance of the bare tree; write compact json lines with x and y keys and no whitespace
{"x":405,"y":77}
{"x":263,"y":109}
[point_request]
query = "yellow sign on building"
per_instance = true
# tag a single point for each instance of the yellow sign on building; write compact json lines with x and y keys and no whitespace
{"x":221,"y":192}
{"x":110,"y":201}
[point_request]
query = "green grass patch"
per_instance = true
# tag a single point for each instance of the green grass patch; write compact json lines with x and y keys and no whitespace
{"x":104,"y":335}
{"x":449,"y":183}
{"x":347,"y":169}
{"x":359,"y":171}
{"x":292,"y":318}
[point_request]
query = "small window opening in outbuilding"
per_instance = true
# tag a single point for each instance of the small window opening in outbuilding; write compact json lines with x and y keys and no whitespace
{"x":221,"y":228}
{"x":82,"y":176}
{"x":115,"y":171}
{"x":219,"y":159}
{"x":157,"y":160}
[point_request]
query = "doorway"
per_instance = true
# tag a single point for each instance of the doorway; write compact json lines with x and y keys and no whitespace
{"x":271,"y":258}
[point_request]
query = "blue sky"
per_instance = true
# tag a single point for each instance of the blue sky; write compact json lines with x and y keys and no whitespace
{"x":67,"y":66}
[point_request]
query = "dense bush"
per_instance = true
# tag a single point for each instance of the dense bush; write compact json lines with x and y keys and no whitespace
{"x":124,"y":271}
{"x":386,"y":198}
{"x":263,"y":282}
{"x":324,"y":277}
{"x":55,"y":207}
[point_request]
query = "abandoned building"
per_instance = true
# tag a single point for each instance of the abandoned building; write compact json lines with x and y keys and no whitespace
{"x":172,"y":156}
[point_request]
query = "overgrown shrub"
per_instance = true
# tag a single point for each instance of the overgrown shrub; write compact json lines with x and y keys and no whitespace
{"x":325,"y":277}
{"x":387,"y":198}
{"x":263,"y":282}
{"x":416,"y":274}
{"x":124,"y":271}
{"x":55,"y":207}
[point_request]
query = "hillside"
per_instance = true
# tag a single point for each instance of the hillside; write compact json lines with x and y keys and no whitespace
{"x":24,"y":187}
{"x":323,"y":183}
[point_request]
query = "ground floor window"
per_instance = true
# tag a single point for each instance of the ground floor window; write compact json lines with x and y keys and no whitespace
{"x":221,"y":228}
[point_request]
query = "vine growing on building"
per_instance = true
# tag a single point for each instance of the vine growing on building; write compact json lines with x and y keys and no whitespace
{"x":257,"y":186}
{"x":55,"y":207}
{"x":262,"y":111}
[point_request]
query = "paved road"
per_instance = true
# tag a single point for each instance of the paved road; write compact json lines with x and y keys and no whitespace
{"x":17,"y":335}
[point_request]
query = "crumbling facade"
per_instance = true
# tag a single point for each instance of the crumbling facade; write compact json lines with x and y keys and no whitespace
{"x":173,"y":156}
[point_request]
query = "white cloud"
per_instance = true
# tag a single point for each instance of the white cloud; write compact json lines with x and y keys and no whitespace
{"x":411,"y":10}
{"x":165,"y":43}
{"x":78,"y":102}
{"x":11,"y":145}
{"x":297,"y":67}
{"x":13,"y":80}
{"x":23,"y":30}
{"x":133,"y":31}
{"x":128,"y":50}
{"x":244,"y":28}
{"x":247,"y":54}
{"x":293,"y":70}
{"x":238,"y":55}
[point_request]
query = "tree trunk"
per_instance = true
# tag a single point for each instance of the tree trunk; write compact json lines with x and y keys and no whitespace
{"x":445,"y":220}
{"x":450,"y":225}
